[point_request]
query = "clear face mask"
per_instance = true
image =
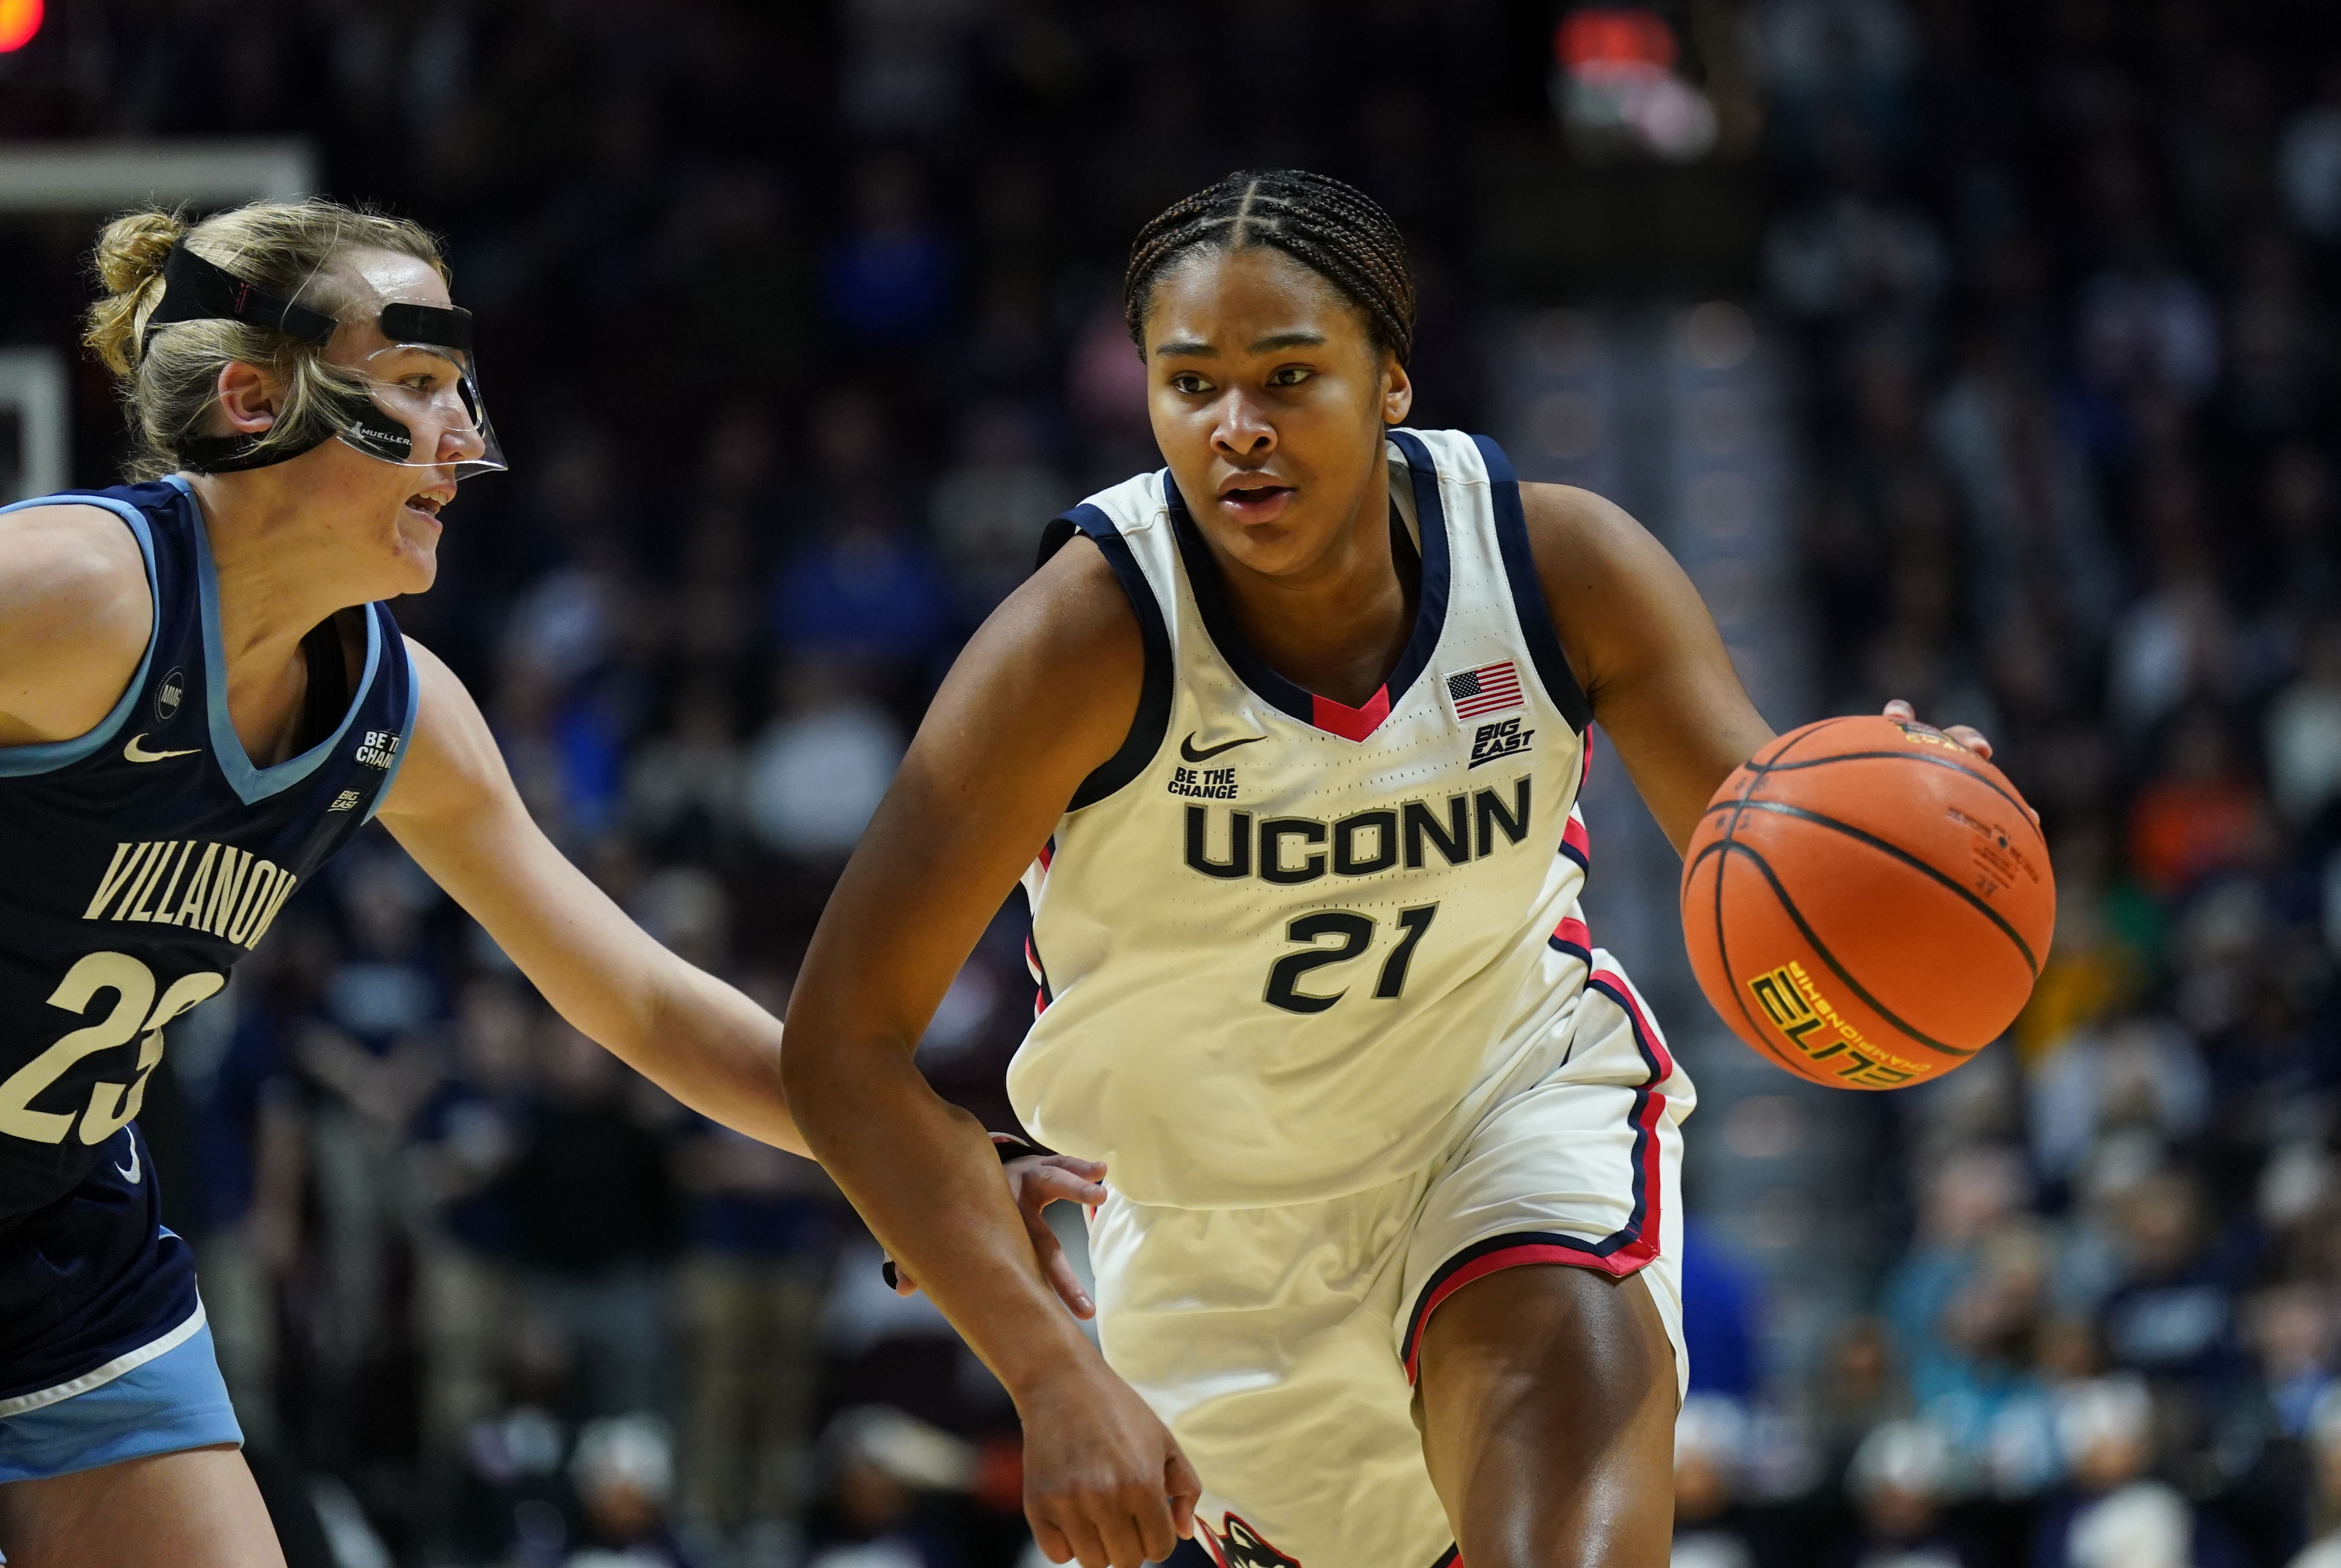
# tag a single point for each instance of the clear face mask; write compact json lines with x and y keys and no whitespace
{"x":420,"y":405}
{"x":423,"y":408}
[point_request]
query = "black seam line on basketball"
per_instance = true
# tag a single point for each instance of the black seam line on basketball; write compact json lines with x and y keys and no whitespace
{"x":1814,"y":733}
{"x":1820,"y":950}
{"x":1730,"y":834}
{"x":1723,"y":956}
{"x":1757,"y":771}
{"x":1781,"y":808}
{"x":1722,"y":947}
{"x":1777,"y":767}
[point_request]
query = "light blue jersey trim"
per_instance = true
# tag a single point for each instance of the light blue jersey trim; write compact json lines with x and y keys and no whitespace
{"x":120,"y":1366}
{"x":405,"y":734}
{"x":253,"y":784}
{"x":21,"y":762}
{"x":173,"y":1401}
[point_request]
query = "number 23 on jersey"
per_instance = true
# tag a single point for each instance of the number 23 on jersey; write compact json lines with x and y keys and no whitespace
{"x":137,"y":1012}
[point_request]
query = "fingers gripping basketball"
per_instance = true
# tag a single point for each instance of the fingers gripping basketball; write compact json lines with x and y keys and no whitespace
{"x":1867,"y":903}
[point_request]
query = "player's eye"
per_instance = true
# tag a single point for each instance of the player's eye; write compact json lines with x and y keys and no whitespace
{"x":1289,"y":375}
{"x":1189,"y":383}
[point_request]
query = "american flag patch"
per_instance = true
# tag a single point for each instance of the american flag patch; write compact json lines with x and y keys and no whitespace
{"x":1490,"y":689}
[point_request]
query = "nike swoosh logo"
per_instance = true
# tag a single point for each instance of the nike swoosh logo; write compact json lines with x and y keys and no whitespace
{"x":132,"y":752}
{"x":130,"y":1174}
{"x":1187,"y":747}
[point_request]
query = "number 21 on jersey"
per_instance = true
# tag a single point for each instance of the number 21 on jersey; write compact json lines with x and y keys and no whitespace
{"x":1354,"y":934}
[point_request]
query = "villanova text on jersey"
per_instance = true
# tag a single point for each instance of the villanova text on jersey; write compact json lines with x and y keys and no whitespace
{"x":229,"y":893}
{"x":145,"y":857}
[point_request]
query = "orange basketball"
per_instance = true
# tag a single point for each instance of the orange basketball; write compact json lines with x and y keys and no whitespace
{"x":1867,"y":903}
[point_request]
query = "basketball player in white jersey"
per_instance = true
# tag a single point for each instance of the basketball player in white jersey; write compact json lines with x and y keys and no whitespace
{"x":1285,"y":742}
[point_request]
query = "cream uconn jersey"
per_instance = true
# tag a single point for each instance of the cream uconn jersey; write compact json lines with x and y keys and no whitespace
{"x":1287,"y":949}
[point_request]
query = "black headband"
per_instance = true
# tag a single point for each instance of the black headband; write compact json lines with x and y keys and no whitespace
{"x":196,"y":290}
{"x":434,"y":324}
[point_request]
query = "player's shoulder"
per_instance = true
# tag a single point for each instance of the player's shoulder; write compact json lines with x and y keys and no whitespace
{"x":1586,"y":544}
{"x":71,"y":540}
{"x":1080,"y":588}
{"x":429,"y":668}
{"x":442,"y":703}
{"x":74,"y":572}
{"x":1565,"y":514}
{"x":1059,"y":667}
{"x":450,"y":764}
{"x":1074,"y":605}
{"x":75,"y":616}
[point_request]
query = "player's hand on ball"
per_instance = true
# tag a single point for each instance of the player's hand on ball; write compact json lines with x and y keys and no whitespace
{"x":1967,"y":736}
{"x":1036,"y":1181}
{"x":1104,"y":1480}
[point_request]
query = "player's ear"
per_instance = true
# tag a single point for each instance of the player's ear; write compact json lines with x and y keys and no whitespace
{"x":1398,"y":391}
{"x":247,"y":397}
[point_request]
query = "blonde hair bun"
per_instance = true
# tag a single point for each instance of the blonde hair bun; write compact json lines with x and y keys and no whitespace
{"x":129,"y":260}
{"x":133,"y":248}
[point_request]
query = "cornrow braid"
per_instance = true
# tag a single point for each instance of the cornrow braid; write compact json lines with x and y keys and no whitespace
{"x":1334,"y":230}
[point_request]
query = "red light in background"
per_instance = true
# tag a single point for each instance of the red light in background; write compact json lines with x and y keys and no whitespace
{"x":1609,"y":35}
{"x":19,"y":20}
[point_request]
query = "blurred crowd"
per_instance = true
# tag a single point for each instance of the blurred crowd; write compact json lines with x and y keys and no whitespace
{"x":800,"y":320}
{"x":2062,"y":282}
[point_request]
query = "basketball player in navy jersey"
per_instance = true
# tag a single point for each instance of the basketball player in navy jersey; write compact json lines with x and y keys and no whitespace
{"x":1284,"y":741}
{"x":201,"y":699}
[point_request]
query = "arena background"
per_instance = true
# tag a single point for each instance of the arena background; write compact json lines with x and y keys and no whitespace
{"x":1979,"y":352}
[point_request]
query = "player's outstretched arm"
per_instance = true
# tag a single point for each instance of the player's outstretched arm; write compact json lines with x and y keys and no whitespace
{"x":1641,"y":644}
{"x":1640,"y":641}
{"x":455,"y":809}
{"x":1044,"y":694}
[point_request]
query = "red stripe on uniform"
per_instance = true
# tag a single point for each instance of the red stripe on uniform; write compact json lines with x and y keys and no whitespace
{"x":1574,"y":932}
{"x":1573,"y":836}
{"x":1644,"y":1033}
{"x":1612,"y":985}
{"x":1617,"y":1265}
{"x":1638,"y":1242}
{"x":1350,"y":723}
{"x":1041,"y":998}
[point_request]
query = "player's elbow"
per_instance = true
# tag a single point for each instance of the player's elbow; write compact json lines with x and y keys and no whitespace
{"x":834,"y":1077}
{"x":812,"y":1073}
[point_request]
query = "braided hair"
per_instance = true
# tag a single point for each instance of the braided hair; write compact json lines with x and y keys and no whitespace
{"x":1334,"y":230}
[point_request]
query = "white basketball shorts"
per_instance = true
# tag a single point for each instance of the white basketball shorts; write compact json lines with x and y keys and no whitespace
{"x":1280,"y":1344}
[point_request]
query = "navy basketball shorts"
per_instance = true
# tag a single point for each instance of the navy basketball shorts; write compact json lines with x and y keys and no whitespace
{"x":104,"y":1354}
{"x":1281,"y":1345}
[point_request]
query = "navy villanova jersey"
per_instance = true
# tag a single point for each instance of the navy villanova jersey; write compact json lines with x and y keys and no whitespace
{"x":138,"y":863}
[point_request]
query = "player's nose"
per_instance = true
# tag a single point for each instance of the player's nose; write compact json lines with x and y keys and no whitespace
{"x":1242,"y":430}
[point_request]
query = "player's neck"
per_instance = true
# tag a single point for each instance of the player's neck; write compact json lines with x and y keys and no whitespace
{"x":1339,"y":627}
{"x":279,"y":574}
